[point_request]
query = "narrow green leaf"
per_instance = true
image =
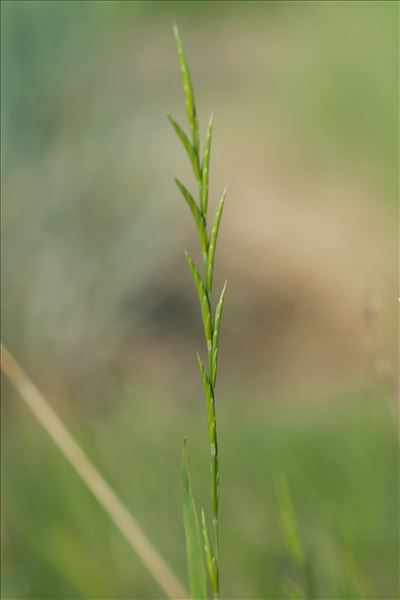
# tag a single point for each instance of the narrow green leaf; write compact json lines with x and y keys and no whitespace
{"x":212,"y":243}
{"x":214,"y":472}
{"x":195,"y":562}
{"x":203,"y":298}
{"x":309,"y":578}
{"x":194,"y":159}
{"x":205,"y":169}
{"x":198,"y":217}
{"x":208,"y":393}
{"x":289,"y":522}
{"x":210,"y":561}
{"x":214,"y":365}
{"x":217,"y":325}
{"x":188,"y":89}
{"x":293,"y":591}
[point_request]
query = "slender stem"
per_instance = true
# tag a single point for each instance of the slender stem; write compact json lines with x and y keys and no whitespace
{"x":214,"y":463}
{"x":214,"y":496}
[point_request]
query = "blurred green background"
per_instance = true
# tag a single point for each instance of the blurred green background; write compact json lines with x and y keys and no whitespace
{"x":99,"y":308}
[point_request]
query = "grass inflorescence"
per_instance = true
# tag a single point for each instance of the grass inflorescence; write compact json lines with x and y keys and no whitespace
{"x":202,"y":549}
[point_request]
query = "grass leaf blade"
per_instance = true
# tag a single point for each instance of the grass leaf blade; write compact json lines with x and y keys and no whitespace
{"x":188,"y":147}
{"x":292,"y":591}
{"x":289,"y":522}
{"x":188,"y":89}
{"x":203,"y":298}
{"x":217,"y":325}
{"x":198,"y":217}
{"x":195,"y":562}
{"x":212,"y":243}
{"x":210,"y":561}
{"x":205,"y":169}
{"x":207,"y":393}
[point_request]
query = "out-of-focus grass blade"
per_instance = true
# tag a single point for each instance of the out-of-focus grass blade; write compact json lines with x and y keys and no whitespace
{"x":203,"y":298}
{"x":301,"y":558}
{"x":309,"y":577}
{"x":212,"y":243}
{"x":205,"y":169}
{"x":356,"y":580}
{"x":188,"y":89}
{"x":217,"y":325}
{"x":210,"y":562}
{"x":194,"y":159}
{"x":196,"y":571}
{"x":292,"y":591}
{"x":194,"y":209}
{"x":125,"y":522}
{"x":289,"y":521}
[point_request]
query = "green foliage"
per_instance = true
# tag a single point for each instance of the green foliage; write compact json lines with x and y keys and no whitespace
{"x":188,"y":89}
{"x":208,"y":392}
{"x":57,"y":539}
{"x":210,"y":559}
{"x":205,"y":169}
{"x":289,"y":522}
{"x":216,"y":328}
{"x":204,"y":287}
{"x":213,"y":242}
{"x":191,"y":152}
{"x":44,"y":40}
{"x":203,"y":299}
{"x":293,"y":542}
{"x":197,"y":576}
{"x":197,"y":215}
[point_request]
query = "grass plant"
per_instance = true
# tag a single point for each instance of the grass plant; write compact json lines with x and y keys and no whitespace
{"x":198,"y":538}
{"x":58,"y":529}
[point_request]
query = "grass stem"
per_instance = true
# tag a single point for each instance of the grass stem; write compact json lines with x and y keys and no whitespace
{"x":203,"y":285}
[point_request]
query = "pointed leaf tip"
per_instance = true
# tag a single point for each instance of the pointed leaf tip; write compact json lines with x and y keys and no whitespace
{"x":213,"y":241}
{"x":175,"y":29}
{"x":188,"y":90}
{"x":190,"y":151}
{"x":205,"y":167}
{"x":197,"y":216}
{"x":217,"y":325}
